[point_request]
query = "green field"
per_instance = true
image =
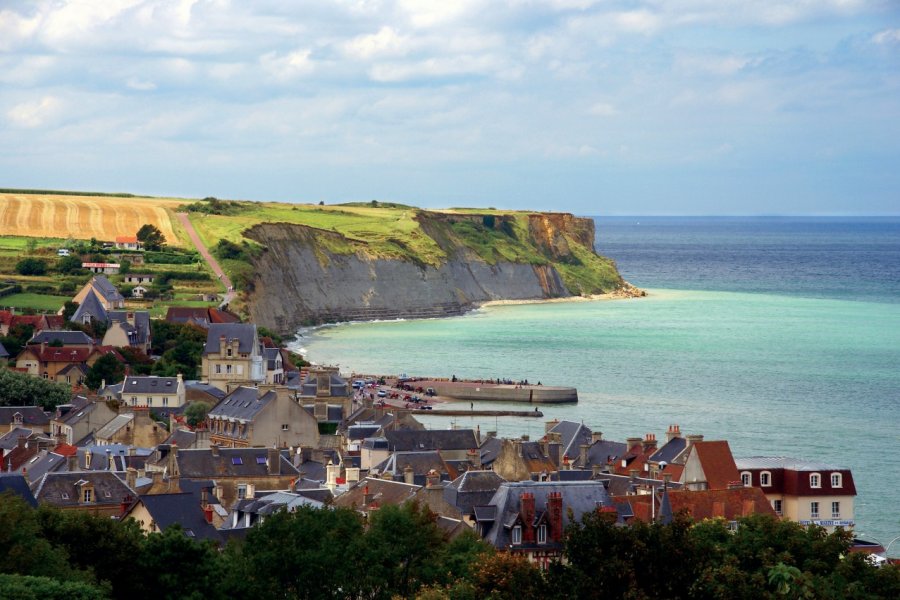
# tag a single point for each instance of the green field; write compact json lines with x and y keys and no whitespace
{"x":40,"y":302}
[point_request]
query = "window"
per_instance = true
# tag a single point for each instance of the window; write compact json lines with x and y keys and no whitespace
{"x":835,"y":510}
{"x":218,"y":369}
{"x":815,"y":480}
{"x":88,"y":494}
{"x":228,"y":352}
{"x":149,"y":400}
{"x":542,"y":534}
{"x":165,"y":401}
{"x":813,"y":510}
{"x":765,"y":479}
{"x":242,"y":492}
{"x":134,"y":400}
{"x":517,"y":535}
{"x":261,"y":460}
{"x":836,"y":480}
{"x":285,"y":426}
{"x":237,"y":460}
{"x":228,"y":369}
{"x":776,"y":506}
{"x":746,"y":479}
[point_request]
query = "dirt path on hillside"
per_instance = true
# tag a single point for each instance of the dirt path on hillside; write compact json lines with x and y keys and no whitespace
{"x":204,"y":252}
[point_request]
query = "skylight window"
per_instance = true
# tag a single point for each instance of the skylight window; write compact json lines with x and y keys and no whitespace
{"x":260,"y":460}
{"x":237,"y":460}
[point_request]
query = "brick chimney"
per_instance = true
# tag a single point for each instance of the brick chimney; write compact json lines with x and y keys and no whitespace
{"x":20,"y":442}
{"x":172,"y":462}
{"x":674,"y":431}
{"x":273,"y":461}
{"x":408,"y":475}
{"x":72,"y":463}
{"x":526,"y":500}
{"x":583,"y":455}
{"x":432,"y":479}
{"x":649,"y":444}
{"x":596,"y":436}
{"x":554,"y":507}
{"x":632,"y":442}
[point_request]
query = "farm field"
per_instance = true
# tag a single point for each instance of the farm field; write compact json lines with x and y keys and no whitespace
{"x":86,"y":217}
{"x":41,"y":302}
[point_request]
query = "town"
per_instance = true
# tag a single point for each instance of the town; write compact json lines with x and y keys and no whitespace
{"x":208,"y":425}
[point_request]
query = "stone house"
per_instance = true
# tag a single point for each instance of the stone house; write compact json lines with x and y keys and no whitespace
{"x":132,"y":429}
{"x":148,"y":391}
{"x":128,"y":242}
{"x":48,"y":361}
{"x":521,"y":460}
{"x":232,"y":356}
{"x":100,"y":493}
{"x":128,"y":328}
{"x":264,"y":416}
{"x":73,"y":422}
{"x":12,"y":417}
{"x":106,"y":293}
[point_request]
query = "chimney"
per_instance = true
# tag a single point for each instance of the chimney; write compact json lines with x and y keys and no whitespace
{"x":545,"y":446}
{"x":550,"y":425}
{"x":251,"y":491}
{"x":214,"y":449}
{"x":554,"y":507}
{"x":649,"y":443}
{"x":20,"y":442}
{"x":274,"y":461}
{"x":367,"y":497}
{"x":583,"y":455}
{"x":208,"y":513}
{"x":596,"y":436}
{"x":172,"y":463}
{"x":131,"y":477}
{"x":87,"y":459}
{"x":433,"y":479}
{"x":408,"y":475}
{"x":474,"y":458}
{"x":204,"y":497}
{"x":123,"y":507}
{"x":632,"y":442}
{"x":110,"y":460}
{"x":693,"y":439}
{"x":595,"y":469}
{"x":526,"y":500}
{"x":674,"y":431}
{"x":72,"y":463}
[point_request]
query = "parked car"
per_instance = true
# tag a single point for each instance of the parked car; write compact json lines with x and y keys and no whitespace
{"x":382,"y":393}
{"x":62,"y":252}
{"x":430,"y":392}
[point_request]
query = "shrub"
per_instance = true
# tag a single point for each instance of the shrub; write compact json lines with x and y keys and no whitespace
{"x":31,"y":266}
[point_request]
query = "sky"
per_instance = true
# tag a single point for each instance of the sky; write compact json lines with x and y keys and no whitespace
{"x":598,"y":107}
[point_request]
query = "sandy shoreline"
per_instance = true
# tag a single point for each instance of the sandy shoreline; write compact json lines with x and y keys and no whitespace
{"x":620,"y":294}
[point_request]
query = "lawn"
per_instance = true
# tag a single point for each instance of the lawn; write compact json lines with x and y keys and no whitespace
{"x":41,"y":302}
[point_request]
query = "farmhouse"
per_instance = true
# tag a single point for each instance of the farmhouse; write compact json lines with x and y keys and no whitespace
{"x":107,"y":294}
{"x":128,"y":242}
{"x":136,"y":278}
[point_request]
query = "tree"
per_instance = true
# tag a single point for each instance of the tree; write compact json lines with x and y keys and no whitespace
{"x":69,"y":265}
{"x":31,"y":266}
{"x":21,"y":389}
{"x":27,"y":587}
{"x":107,"y":368}
{"x":69,"y":309}
{"x":22,"y":548}
{"x":173,"y":566}
{"x":196,"y":412}
{"x":151,"y":237}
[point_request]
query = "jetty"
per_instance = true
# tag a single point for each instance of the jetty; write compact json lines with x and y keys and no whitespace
{"x":481,"y":413}
{"x":488,"y":391}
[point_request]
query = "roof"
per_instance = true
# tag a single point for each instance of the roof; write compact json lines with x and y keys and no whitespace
{"x":471,"y":489}
{"x":244,"y":333}
{"x":183,"y":438}
{"x":431,"y":439}
{"x":149,"y":384}
{"x":784,"y":462}
{"x":670,"y":450}
{"x":68,"y":338}
{"x":572,"y":436}
{"x":113,"y":427}
{"x":3,"y":352}
{"x":337,"y":385}
{"x":382,"y":492}
{"x":63,"y":488}
{"x":91,"y":307}
{"x":578,"y":498}
{"x":10,"y":439}
{"x":179,"y":509}
{"x":31,"y":415}
{"x":275,"y":501}
{"x":490,"y":449}
{"x":105,"y":288}
{"x":706,"y":504}
{"x":200,"y":316}
{"x":230,"y":462}
{"x":718,"y":463}
{"x":243,"y":404}
{"x":16,"y":484}
{"x":602,"y":452}
{"x":206,"y":388}
{"x":126,"y":239}
{"x":139,"y":327}
{"x":420,"y":463}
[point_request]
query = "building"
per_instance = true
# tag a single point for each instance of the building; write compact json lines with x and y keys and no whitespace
{"x":61,"y":337}
{"x":9,"y":320}
{"x":49,"y":362}
{"x":148,"y":391}
{"x":128,"y":242}
{"x":232,"y":356}
{"x":157,"y":512}
{"x":33,"y":417}
{"x":521,"y":460}
{"x":135,"y":428}
{"x":100,"y":493}
{"x":106,"y":293}
{"x":139,"y":278}
{"x":128,"y":328}
{"x":710,"y":466}
{"x":202,"y":317}
{"x":265,"y":416}
{"x":74,"y":422}
{"x":809,"y":492}
{"x":102,"y":267}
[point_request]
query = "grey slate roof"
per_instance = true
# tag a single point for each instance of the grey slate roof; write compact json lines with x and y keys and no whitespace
{"x":10,"y":439}
{"x":31,"y":415}
{"x":572,"y":435}
{"x":577,"y":498}
{"x":420,"y":463}
{"x":490,"y":449}
{"x":15,"y":483}
{"x":231,"y":462}
{"x":73,"y":368}
{"x":337,"y":384}
{"x":3,"y":352}
{"x":106,"y":289}
{"x":210,"y":390}
{"x":243,"y":404}
{"x":46,"y":461}
{"x":471,"y":489}
{"x":63,"y":488}
{"x":111,"y":428}
{"x":92,"y":307}
{"x":360,"y":432}
{"x":602,"y":451}
{"x":183,"y":438}
{"x":431,"y":439}
{"x":271,"y":355}
{"x":149,"y":384}
{"x":670,"y":450}
{"x":244,"y":333}
{"x":180,"y":509}
{"x":68,"y":338}
{"x":139,"y":332}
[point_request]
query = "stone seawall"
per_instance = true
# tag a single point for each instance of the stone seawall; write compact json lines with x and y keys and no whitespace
{"x":534,"y":394}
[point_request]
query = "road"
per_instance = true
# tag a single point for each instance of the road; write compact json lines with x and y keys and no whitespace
{"x":210,"y":260}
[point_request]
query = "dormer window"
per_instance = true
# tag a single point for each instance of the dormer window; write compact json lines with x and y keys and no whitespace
{"x":228,"y":352}
{"x":746,"y":479}
{"x":836,"y":480}
{"x":815,"y":480}
{"x":517,"y":535}
{"x":542,"y":534}
{"x":765,"y":479}
{"x":87,"y":495}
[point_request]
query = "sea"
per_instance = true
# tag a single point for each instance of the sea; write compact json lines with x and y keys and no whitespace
{"x":778,"y":334}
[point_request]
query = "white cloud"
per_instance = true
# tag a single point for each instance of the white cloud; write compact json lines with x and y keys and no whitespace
{"x":384,"y":43}
{"x":15,"y":27}
{"x":288,"y":66}
{"x":888,"y":36}
{"x":140,"y":85}
{"x":34,"y":113}
{"x":603,"y":109}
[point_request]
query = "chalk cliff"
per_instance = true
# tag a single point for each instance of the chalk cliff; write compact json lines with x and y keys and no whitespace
{"x":306,"y":275}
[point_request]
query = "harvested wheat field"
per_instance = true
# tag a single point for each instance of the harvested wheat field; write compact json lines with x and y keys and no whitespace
{"x":84,"y":217}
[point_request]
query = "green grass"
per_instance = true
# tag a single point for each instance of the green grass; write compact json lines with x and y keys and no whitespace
{"x":160,"y":308}
{"x":40,"y":302}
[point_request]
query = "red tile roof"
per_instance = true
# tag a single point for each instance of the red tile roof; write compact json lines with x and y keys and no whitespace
{"x":707,"y":504}
{"x":718,"y":464}
{"x":126,"y":239}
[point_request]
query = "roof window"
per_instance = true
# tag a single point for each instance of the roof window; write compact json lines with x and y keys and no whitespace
{"x":237,"y":460}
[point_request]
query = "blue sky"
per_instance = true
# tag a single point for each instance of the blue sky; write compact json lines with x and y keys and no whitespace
{"x":595,"y":107}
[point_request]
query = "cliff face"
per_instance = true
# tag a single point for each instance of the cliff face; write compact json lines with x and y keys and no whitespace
{"x":300,"y":281}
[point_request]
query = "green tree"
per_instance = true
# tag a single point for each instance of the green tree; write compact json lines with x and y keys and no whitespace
{"x":31,"y":266}
{"x":173,"y":566}
{"x":22,"y":548}
{"x":21,"y":389}
{"x":69,"y":309}
{"x":196,"y":412}
{"x":106,"y":368}
{"x":26,"y":587}
{"x":151,"y":237}
{"x":69,"y":265}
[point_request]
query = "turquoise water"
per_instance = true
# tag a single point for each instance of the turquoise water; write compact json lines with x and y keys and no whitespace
{"x":774,"y":374}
